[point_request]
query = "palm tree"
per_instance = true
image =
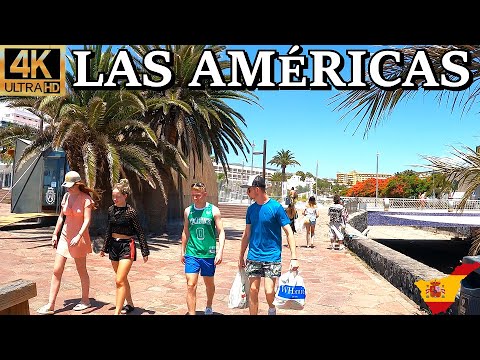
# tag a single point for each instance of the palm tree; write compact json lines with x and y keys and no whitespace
{"x":284,"y":158}
{"x":276,"y":177}
{"x":276,"y":181}
{"x":196,"y":120}
{"x":373,"y":106}
{"x":180,"y":122}
{"x":102,"y":133}
{"x":99,"y":130}
{"x":200,"y":123}
{"x":301,"y":174}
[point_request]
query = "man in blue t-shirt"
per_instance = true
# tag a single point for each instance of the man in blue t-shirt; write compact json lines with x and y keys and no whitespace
{"x":265,"y":220}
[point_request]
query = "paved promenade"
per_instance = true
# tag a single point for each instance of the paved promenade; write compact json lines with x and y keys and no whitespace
{"x":337,"y":282}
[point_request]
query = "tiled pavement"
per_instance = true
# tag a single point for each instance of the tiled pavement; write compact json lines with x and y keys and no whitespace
{"x":337,"y":282}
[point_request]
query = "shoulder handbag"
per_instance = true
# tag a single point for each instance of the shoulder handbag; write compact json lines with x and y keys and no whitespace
{"x":59,"y":232}
{"x":61,"y":227}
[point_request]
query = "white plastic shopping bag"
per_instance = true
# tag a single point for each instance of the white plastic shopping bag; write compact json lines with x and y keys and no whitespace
{"x":299,"y":225}
{"x":238,"y":297}
{"x":290,"y":292}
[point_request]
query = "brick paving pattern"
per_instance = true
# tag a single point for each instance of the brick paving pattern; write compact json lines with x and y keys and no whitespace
{"x":337,"y":282}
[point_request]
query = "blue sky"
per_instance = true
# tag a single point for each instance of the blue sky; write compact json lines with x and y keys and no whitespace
{"x":303,"y":122}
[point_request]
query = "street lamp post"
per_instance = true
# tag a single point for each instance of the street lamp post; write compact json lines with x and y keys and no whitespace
{"x":433,"y":184}
{"x":264,"y":159}
{"x":376,"y":184}
{"x":253,"y":147}
{"x":264,"y":153}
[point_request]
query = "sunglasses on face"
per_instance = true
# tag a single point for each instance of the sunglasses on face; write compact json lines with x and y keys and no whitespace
{"x":198,"y":184}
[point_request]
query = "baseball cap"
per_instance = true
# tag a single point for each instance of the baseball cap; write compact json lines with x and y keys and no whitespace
{"x":254,"y":181}
{"x":71,"y":178}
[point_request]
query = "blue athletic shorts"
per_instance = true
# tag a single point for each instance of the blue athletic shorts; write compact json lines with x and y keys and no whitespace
{"x":206,"y":267}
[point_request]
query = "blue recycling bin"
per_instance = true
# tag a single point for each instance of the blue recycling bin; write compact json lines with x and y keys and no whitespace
{"x":469,"y":301}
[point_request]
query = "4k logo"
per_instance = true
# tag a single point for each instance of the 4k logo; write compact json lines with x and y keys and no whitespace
{"x":32,"y":70}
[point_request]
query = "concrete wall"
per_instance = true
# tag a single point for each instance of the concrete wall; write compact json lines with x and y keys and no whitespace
{"x":27,"y":181}
{"x":400,"y":270}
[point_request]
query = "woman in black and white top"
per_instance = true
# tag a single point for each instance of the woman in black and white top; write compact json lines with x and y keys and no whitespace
{"x":119,"y":243}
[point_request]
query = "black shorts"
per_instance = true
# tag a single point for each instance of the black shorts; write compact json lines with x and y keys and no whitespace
{"x":122,"y":249}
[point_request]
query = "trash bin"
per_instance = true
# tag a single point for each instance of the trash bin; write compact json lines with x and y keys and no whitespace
{"x":469,"y":301}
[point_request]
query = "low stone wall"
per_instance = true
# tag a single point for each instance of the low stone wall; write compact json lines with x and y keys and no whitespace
{"x":400,"y":270}
{"x":358,"y":220}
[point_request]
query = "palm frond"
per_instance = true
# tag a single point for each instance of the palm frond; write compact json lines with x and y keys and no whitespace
{"x":373,"y":106}
{"x":463,"y":166}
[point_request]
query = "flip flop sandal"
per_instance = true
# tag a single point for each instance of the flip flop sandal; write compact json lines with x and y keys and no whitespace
{"x":127,"y":309}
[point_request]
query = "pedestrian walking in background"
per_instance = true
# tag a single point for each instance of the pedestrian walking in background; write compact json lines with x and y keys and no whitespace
{"x":265,"y":220}
{"x":292,"y":215}
{"x":293,"y":195}
{"x":423,"y":200}
{"x":311,"y":214}
{"x":199,"y":253}
{"x":122,"y":225}
{"x":338,"y":215}
{"x":74,"y":240}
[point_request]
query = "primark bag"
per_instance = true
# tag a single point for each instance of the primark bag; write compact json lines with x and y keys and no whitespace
{"x":238,"y":297}
{"x":290,"y":292}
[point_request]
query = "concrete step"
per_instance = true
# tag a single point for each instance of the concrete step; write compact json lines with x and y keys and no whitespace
{"x":7,"y":194}
{"x":233,"y":211}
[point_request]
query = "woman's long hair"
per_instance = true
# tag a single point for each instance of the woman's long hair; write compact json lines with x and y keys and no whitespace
{"x":91,"y":192}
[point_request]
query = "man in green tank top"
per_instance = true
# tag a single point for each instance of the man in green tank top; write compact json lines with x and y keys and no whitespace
{"x":199,"y":253}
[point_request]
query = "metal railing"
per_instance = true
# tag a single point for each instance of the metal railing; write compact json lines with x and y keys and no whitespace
{"x":414,"y":204}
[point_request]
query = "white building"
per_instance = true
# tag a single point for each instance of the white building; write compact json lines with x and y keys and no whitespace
{"x":241,"y":172}
{"x":295,"y":181}
{"x":237,"y":175}
{"x":18,"y":116}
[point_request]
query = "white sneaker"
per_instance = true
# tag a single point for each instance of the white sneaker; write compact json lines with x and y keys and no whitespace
{"x":81,"y":306}
{"x":45,"y":310}
{"x":272,"y":311}
{"x":208,"y":311}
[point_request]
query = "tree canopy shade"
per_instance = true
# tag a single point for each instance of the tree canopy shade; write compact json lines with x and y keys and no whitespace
{"x":196,"y":119}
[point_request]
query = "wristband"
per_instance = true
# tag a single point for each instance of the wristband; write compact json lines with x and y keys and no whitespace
{"x":293,"y":259}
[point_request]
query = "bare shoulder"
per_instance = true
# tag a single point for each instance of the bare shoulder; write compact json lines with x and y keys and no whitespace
{"x":215,"y":210}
